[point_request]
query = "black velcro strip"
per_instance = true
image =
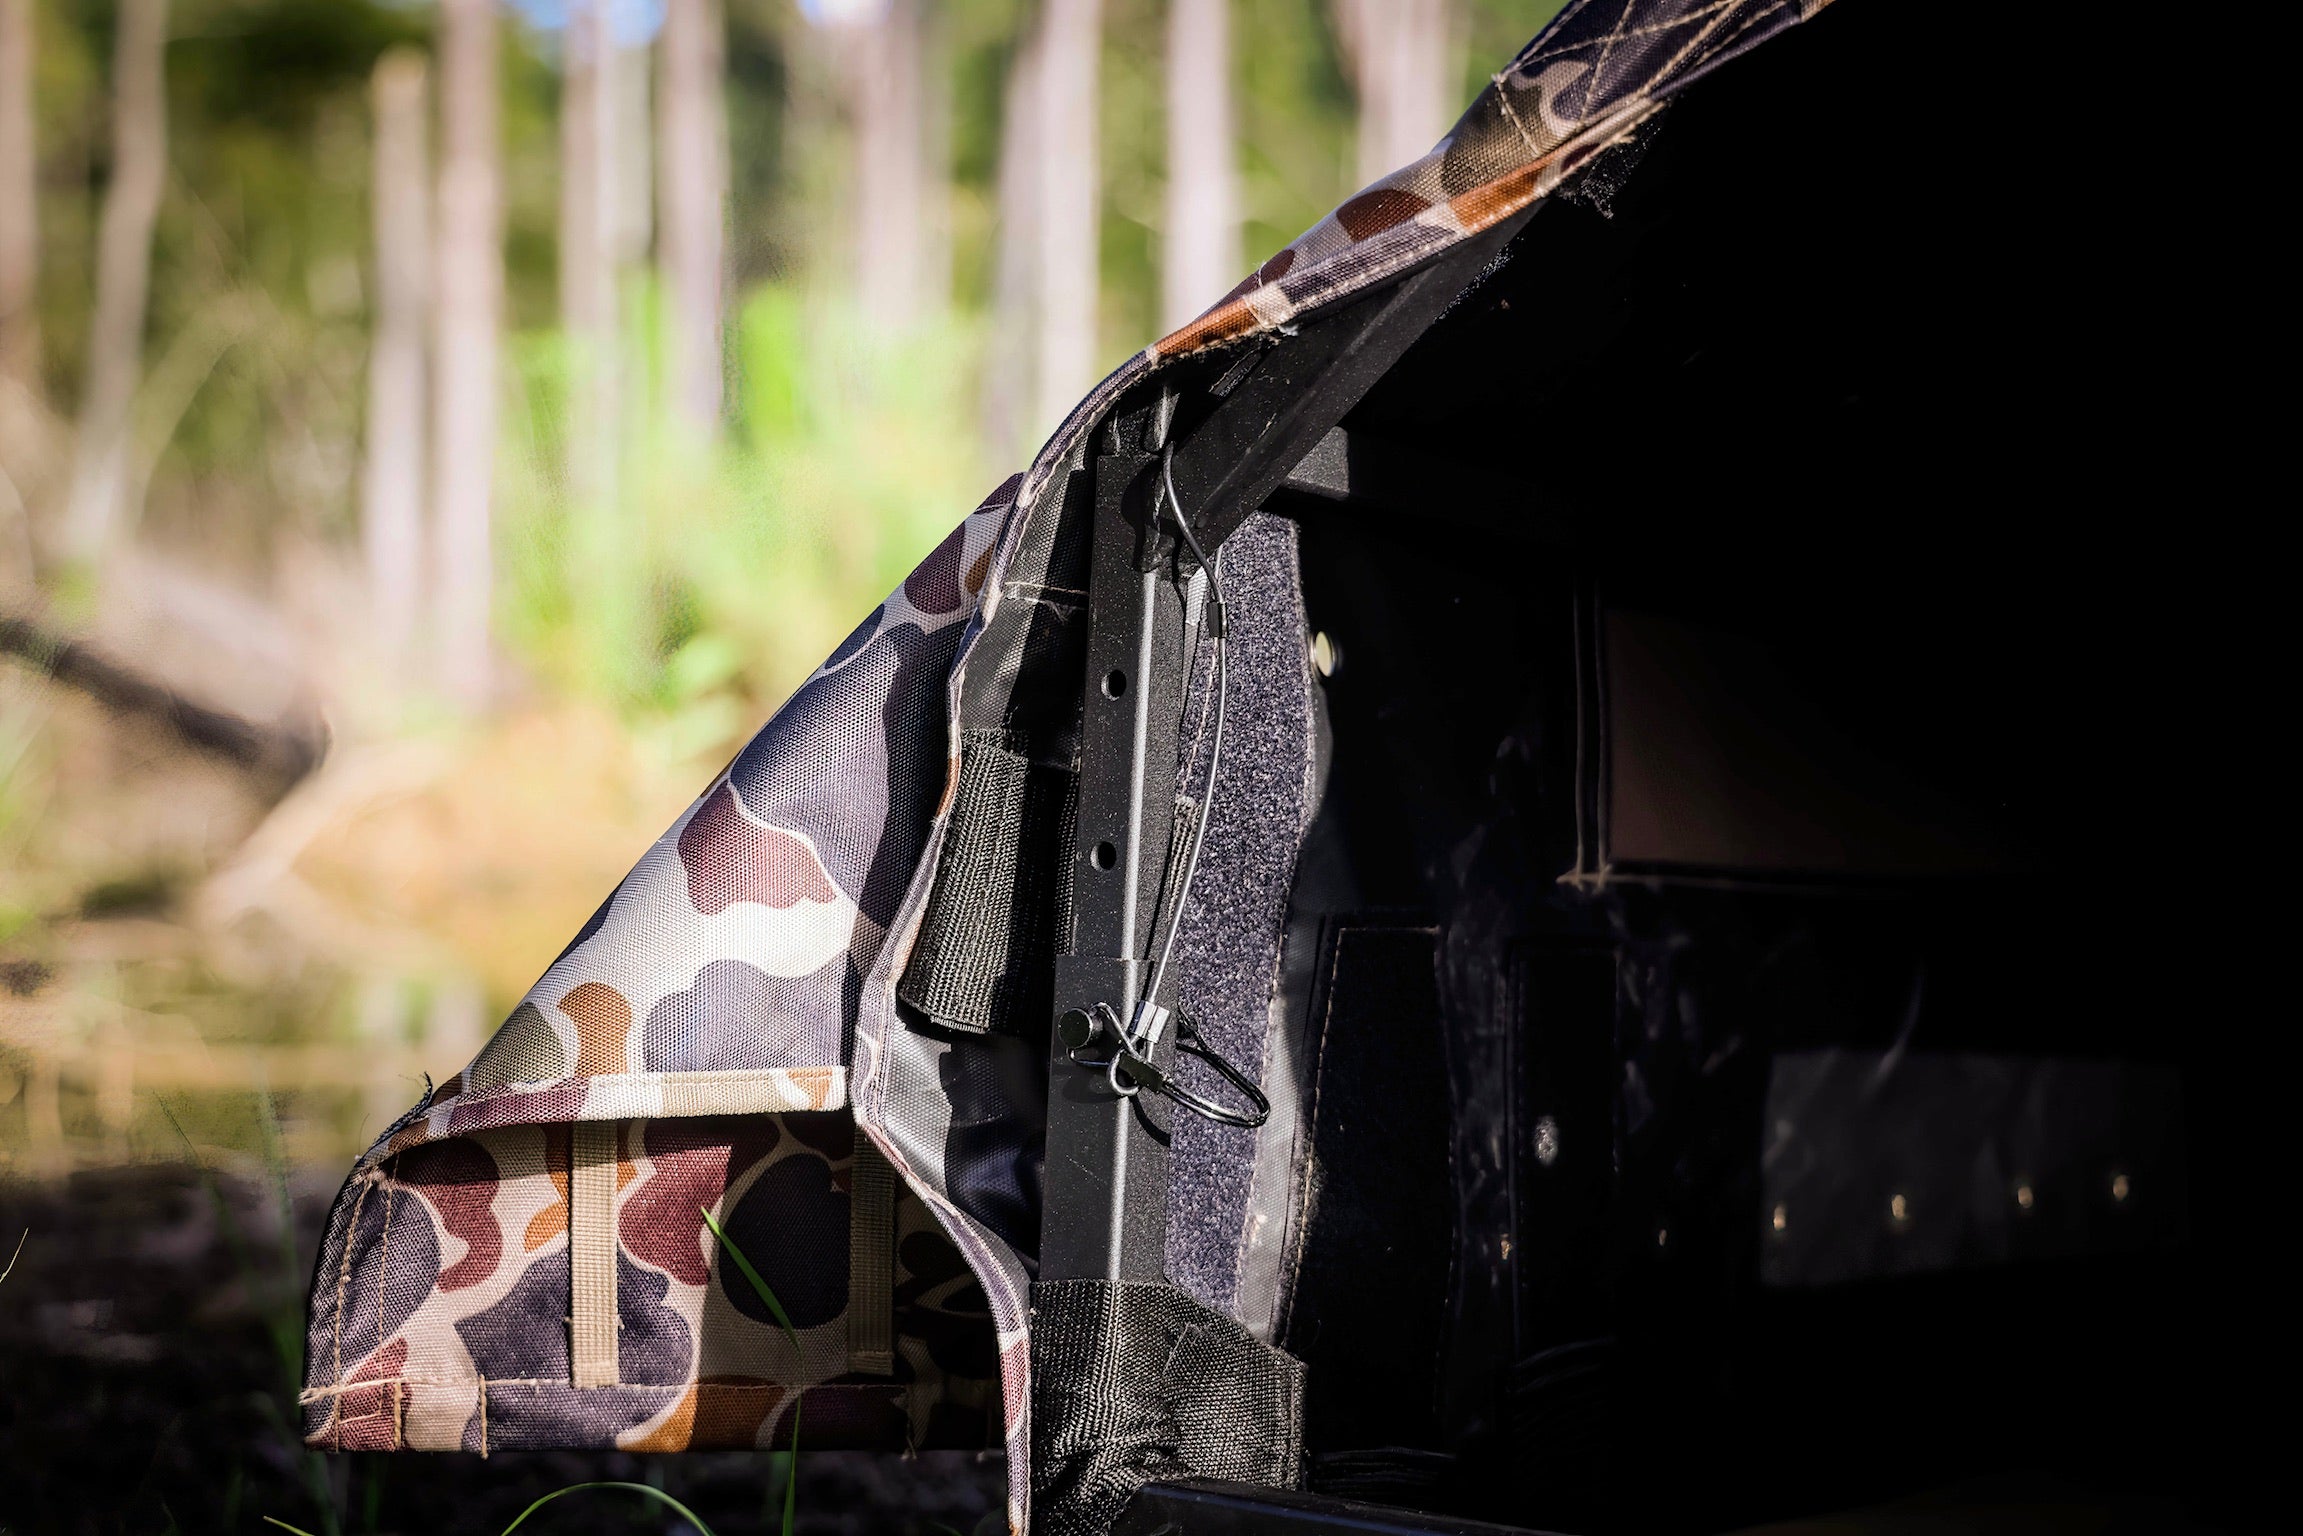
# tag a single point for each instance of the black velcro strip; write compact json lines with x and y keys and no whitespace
{"x":985,"y":957}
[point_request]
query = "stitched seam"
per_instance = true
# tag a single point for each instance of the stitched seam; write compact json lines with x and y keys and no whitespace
{"x":1652,"y":29}
{"x":344,"y":1282}
{"x":1604,"y":129}
{"x":1593,"y":84}
{"x":1511,"y":116}
{"x":316,"y":1394}
{"x":1672,"y":65}
{"x":384,"y":1249}
{"x":733,"y":1077}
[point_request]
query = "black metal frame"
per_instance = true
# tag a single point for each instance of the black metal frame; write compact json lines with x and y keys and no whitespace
{"x":1106,"y":1170}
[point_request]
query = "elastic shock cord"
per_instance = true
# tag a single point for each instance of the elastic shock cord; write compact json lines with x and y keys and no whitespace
{"x":1130,"y":1068}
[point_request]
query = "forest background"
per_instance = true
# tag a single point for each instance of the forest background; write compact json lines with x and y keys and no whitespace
{"x":432,"y":437}
{"x":490,"y":413}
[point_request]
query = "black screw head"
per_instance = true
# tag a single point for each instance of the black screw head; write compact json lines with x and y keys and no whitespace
{"x":1076,"y":1028}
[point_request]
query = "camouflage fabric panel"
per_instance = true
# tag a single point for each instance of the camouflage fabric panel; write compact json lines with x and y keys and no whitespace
{"x":722,"y":974}
{"x":1594,"y":74}
{"x":455,"y":1312}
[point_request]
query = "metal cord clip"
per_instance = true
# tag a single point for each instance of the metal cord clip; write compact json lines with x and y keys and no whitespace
{"x":1130,"y":1072}
{"x":1130,"y":1068}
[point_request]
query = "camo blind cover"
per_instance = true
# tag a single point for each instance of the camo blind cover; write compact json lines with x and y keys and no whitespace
{"x":732,"y":1003}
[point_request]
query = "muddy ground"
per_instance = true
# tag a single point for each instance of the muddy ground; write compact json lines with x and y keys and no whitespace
{"x":145,"y":1387}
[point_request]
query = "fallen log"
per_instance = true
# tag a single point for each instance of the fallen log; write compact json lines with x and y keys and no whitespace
{"x":279,"y":753}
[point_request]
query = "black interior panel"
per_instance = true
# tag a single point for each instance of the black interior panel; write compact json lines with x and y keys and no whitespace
{"x":1831,"y":444}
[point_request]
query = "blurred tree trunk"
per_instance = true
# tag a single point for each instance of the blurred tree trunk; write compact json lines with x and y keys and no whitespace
{"x":692,"y":189}
{"x":392,"y":486}
{"x":467,"y":311}
{"x":892,"y":182}
{"x":935,"y":258}
{"x":19,"y":205}
{"x":123,"y":277}
{"x":1071,"y":201}
{"x":591,"y":137}
{"x":1201,"y":260}
{"x":630,"y":174}
{"x":587,"y":136}
{"x":1401,"y":54}
{"x":1014,"y":344}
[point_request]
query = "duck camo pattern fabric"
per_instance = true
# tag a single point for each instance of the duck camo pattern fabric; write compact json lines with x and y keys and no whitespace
{"x":522,"y":1260}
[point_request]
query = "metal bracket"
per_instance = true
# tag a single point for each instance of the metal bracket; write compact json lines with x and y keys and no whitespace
{"x":1105,"y":1196}
{"x":1106,"y":1189}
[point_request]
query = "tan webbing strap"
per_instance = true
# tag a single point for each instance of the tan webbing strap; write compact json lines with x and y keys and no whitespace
{"x":592,"y":1254}
{"x":871,"y":1262}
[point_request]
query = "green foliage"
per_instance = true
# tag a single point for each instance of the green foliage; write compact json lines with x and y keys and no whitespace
{"x":708,"y":581}
{"x":276,"y":66}
{"x":849,"y":456}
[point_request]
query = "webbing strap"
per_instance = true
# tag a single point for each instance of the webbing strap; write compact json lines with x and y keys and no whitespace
{"x":592,"y":1254}
{"x":871,"y":1262}
{"x":988,"y":938}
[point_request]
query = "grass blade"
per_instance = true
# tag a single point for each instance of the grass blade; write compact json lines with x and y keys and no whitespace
{"x":19,"y":1253}
{"x":792,"y":1482}
{"x":296,"y":1530}
{"x":775,"y":1307}
{"x":792,"y":1478}
{"x":283,"y":1200}
{"x":657,"y":1494}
